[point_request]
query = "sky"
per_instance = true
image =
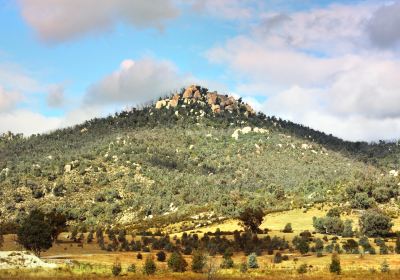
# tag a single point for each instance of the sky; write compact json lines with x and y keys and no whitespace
{"x":330,"y":65}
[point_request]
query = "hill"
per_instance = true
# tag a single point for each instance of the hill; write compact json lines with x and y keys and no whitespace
{"x":195,"y":155}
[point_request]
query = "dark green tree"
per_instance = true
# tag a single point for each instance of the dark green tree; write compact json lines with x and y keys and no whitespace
{"x":374,"y":223}
{"x":251,"y":219}
{"x":35,"y":233}
{"x":149,"y":267}
{"x":335,"y":267}
{"x":177,"y":263}
{"x":198,"y":261}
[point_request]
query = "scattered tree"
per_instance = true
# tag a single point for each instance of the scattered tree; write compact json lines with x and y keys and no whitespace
{"x":149,"y":267}
{"x":335,"y":267}
{"x":288,"y":228}
{"x":161,"y":256}
{"x":35,"y":233}
{"x":252,"y":261}
{"x":198,"y":261}
{"x":374,"y":223}
{"x":251,"y":219}
{"x":177,"y":263}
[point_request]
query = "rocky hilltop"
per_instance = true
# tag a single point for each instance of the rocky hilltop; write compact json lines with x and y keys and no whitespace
{"x":218,"y":103}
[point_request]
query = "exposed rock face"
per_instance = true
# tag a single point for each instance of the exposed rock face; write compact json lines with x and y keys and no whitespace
{"x":218,"y":103}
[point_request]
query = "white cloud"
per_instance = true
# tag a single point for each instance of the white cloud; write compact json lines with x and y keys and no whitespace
{"x":316,"y":67}
{"x":56,"y":21}
{"x":136,"y":82}
{"x":8,"y":99}
{"x":226,"y":9}
{"x":27,"y":122}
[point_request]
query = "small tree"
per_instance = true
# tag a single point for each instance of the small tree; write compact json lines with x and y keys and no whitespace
{"x":58,"y":223}
{"x":198,"y":261}
{"x":251,"y":219}
{"x":335,"y":267}
{"x":288,"y":228}
{"x":90,"y":237}
{"x":116,"y":268}
{"x":35,"y":233}
{"x":177,"y":263}
{"x":252,"y":261}
{"x":243,"y":267}
{"x":1,"y":239}
{"x":302,"y":269}
{"x":228,"y":261}
{"x":278,"y":257}
{"x":161,"y":256}
{"x":149,"y":267}
{"x":374,"y":223}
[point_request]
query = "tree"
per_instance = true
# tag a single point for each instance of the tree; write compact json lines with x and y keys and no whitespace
{"x":1,"y":239}
{"x":319,"y":245}
{"x":348,"y":229}
{"x":288,"y":228}
{"x":302,"y":269}
{"x":35,"y":233}
{"x":58,"y":223}
{"x":333,"y":212}
{"x":374,"y":223}
{"x":198,"y":261}
{"x":116,"y":268}
{"x":361,"y":201}
{"x":251,"y":219}
{"x":335,"y":267}
{"x":227,"y":259}
{"x":149,"y":267}
{"x":278,"y":257}
{"x":161,"y":256}
{"x":301,"y":244}
{"x":177,"y":263}
{"x":252,"y":261}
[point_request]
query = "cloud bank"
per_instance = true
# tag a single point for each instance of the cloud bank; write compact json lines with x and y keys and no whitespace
{"x":62,"y":20}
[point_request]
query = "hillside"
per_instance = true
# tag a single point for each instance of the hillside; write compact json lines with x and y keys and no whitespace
{"x":193,"y":153}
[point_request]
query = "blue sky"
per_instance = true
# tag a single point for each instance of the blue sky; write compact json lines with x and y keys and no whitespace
{"x":332,"y":65}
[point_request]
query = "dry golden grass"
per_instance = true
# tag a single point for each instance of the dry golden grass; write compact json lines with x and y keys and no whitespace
{"x":100,"y":262}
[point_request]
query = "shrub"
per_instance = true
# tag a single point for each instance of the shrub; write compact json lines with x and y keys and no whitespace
{"x":177,"y":263}
{"x":132,"y":268}
{"x":278,"y":257}
{"x":335,"y":267}
{"x":288,"y":228}
{"x":396,"y":248}
{"x":375,"y":223}
{"x":139,"y":256}
{"x":198,"y":261}
{"x":161,"y":256}
{"x":149,"y":267}
{"x":302,"y":269}
{"x":116,"y":268}
{"x":243,"y":267}
{"x":252,"y":261}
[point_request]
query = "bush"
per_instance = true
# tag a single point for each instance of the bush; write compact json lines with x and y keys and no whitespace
{"x":374,"y":223}
{"x":302,"y":269}
{"x":132,"y":268}
{"x":198,"y":261}
{"x":335,"y":267}
{"x":252,"y":261}
{"x":278,"y":257}
{"x":288,"y":228}
{"x":348,"y":229}
{"x":161,"y":256}
{"x":177,"y":263}
{"x":116,"y":268}
{"x":139,"y":256}
{"x":149,"y":267}
{"x":243,"y":267}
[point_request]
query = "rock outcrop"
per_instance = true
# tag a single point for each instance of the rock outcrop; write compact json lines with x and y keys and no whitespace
{"x":218,"y":103}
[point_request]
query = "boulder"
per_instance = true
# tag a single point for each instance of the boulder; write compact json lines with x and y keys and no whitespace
{"x":216,"y":108}
{"x":67,"y":168}
{"x":212,"y":98}
{"x":197,"y":94}
{"x":160,"y":104}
